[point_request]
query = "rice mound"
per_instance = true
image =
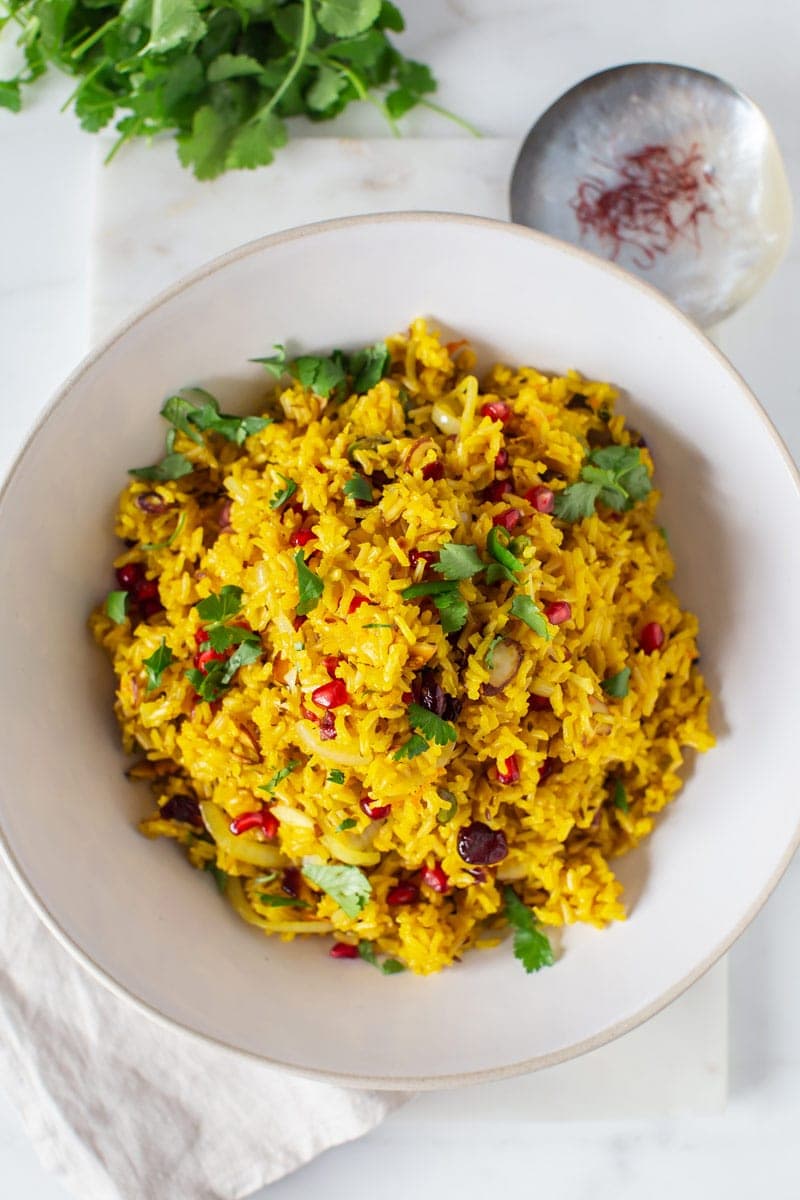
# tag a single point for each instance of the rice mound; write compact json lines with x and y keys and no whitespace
{"x":594,"y":769}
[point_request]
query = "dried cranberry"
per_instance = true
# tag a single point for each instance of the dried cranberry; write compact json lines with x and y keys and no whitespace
{"x":479,"y":844}
{"x":291,"y":882}
{"x":149,"y":608}
{"x":541,"y":498}
{"x":558,"y":612}
{"x":375,"y":812}
{"x":426,"y":556}
{"x":182,"y":808}
{"x":151,"y":502}
{"x":497,"y":410}
{"x":343,"y":950}
{"x":508,"y":519}
{"x":403,"y":893}
{"x":129,"y":575}
{"x":539,"y":703}
{"x":327,"y":727}
{"x":429,"y":693}
{"x":435,"y":878}
{"x":147,"y":589}
{"x":330,"y":695}
{"x":433,"y":470}
{"x":508,"y":771}
{"x":651,"y":637}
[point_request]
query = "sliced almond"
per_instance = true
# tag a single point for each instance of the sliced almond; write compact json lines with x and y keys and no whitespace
{"x":506,"y":660}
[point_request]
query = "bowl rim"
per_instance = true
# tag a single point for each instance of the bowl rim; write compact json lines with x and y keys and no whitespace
{"x":384,"y":1082}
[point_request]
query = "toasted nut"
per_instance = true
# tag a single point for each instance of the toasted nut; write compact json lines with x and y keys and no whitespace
{"x":505,"y":664}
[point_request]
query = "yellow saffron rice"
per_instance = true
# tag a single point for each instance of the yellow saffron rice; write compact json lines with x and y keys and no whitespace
{"x":594,"y":769}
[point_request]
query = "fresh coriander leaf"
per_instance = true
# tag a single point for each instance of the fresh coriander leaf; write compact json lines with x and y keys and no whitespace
{"x":663,"y":533}
{"x":348,"y":823}
{"x":368,"y":366}
{"x":453,"y":610}
{"x":617,"y":459}
{"x":172,"y":466}
{"x":526,"y":610}
{"x":280,"y":775}
{"x":325,"y":89}
{"x":222,"y":637}
{"x":149,"y":546}
{"x":576,"y":501}
{"x":309,"y":586}
{"x":254,"y":143}
{"x":389,"y":966}
{"x":335,"y":776}
{"x":220,"y":877}
{"x":399,"y":102}
{"x":433,"y":728}
{"x":285,"y":493}
{"x":621,"y":796}
{"x":391,"y":17}
{"x":415,"y":746}
{"x":348,"y":886}
{"x":208,"y":684}
{"x":357,"y":488}
{"x":243,"y":656}
{"x":434,"y":588}
{"x":178,"y":411}
{"x":458,"y":562}
{"x":347,"y":18}
{"x":231,"y":66}
{"x":497,"y":573}
{"x":637,"y":482}
{"x":488,"y":658}
{"x":205,"y":147}
{"x":617,"y":685}
{"x":117,"y":606}
{"x":392,"y":966}
{"x":276,"y":364}
{"x":445,"y":815}
{"x":10,"y":95}
{"x":220,"y":608}
{"x":156,"y":665}
{"x":320,"y":375}
{"x":531,"y":946}
{"x":173,"y":23}
{"x":416,"y":77}
{"x":271,"y":901}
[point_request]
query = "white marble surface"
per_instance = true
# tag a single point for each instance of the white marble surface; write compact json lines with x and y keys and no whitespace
{"x":501,"y":62}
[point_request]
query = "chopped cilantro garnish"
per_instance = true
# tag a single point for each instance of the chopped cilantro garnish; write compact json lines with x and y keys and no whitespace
{"x":415,"y":746}
{"x":321,"y":375}
{"x":285,"y":493}
{"x":272,"y":901}
{"x":445,"y":815}
{"x":389,"y":966}
{"x":357,"y":488}
{"x":452,"y":606}
{"x":172,"y":466}
{"x":220,"y":877}
{"x":206,"y":417}
{"x":621,"y":796}
{"x":335,"y":776}
{"x":458,"y":562}
{"x":615,"y":475}
{"x":280,"y":775}
{"x":617,"y":685}
{"x":276,"y":363}
{"x":433,"y":728}
{"x":117,"y":606}
{"x":526,"y":610}
{"x":368,"y":366}
{"x":213,"y":684}
{"x":309,"y":586}
{"x":156,"y":665}
{"x":531,"y":946}
{"x":489,"y":656}
{"x":167,"y":541}
{"x":220,"y":608}
{"x":326,"y":374}
{"x":348,"y":886}
{"x":378,"y":625}
{"x":347,"y":823}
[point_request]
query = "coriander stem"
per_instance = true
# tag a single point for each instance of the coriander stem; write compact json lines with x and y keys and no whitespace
{"x":88,"y":42}
{"x":300,"y":57}
{"x":445,"y":112}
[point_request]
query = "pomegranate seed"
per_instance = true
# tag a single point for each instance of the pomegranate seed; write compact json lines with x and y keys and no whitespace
{"x":651,"y":637}
{"x":480,"y":845}
{"x":327,"y":727}
{"x":290,"y":884}
{"x":501,"y":460}
{"x":356,"y":603}
{"x":407,"y":697}
{"x":546,"y":769}
{"x":558,"y":613}
{"x":204,"y":657}
{"x":497,"y":490}
{"x":149,"y":608}
{"x":497,"y":410}
{"x":509,"y":772}
{"x":343,"y":950}
{"x":435,"y":878}
{"x":508,"y":519}
{"x":539,"y":703}
{"x":433,"y":470}
{"x":182,"y":808}
{"x":129,"y":575}
{"x":301,"y":537}
{"x":265,"y":821}
{"x":330,"y":695}
{"x":147,"y":589}
{"x":298,"y":623}
{"x":200,"y":636}
{"x":331,"y":663}
{"x":426,"y":556}
{"x":375,"y":812}
{"x":541,"y":498}
{"x":404,"y":893}
{"x":308,"y":714}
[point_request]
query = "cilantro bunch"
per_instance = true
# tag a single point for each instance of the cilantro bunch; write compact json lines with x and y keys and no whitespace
{"x":222,"y":78}
{"x":614,"y":475}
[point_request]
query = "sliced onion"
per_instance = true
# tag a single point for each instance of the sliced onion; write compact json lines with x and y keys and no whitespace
{"x":343,"y":849}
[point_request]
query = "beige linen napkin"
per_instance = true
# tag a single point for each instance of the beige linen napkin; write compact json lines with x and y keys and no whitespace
{"x":121,"y":1108}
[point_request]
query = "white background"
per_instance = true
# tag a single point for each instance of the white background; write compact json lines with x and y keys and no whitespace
{"x":500,"y":64}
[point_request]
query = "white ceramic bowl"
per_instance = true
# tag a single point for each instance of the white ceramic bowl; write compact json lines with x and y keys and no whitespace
{"x":156,"y":931}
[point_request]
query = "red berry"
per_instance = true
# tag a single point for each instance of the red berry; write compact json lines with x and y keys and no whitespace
{"x":129,"y":575}
{"x":508,"y":772}
{"x":497,"y":410}
{"x":426,"y":556}
{"x":497,"y":490}
{"x":433,"y":470}
{"x":204,"y":657}
{"x":403,"y":893}
{"x":331,"y":663}
{"x":262,"y":820}
{"x":330,"y":695}
{"x":558,"y":612}
{"x":149,"y":608}
{"x":298,"y":622}
{"x":541,"y":498}
{"x":539,"y":703}
{"x":308,"y":714}
{"x":375,"y":812}
{"x":435,"y":878}
{"x":147,"y":589}
{"x":501,"y":460}
{"x":327,"y":727}
{"x":301,"y":537}
{"x":508,"y":519}
{"x":356,"y":603}
{"x":480,"y":845}
{"x":651,"y":637}
{"x":343,"y":950}
{"x":200,"y":636}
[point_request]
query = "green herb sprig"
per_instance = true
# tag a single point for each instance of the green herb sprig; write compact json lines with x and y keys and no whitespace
{"x":531,"y":946}
{"x":614,"y":475}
